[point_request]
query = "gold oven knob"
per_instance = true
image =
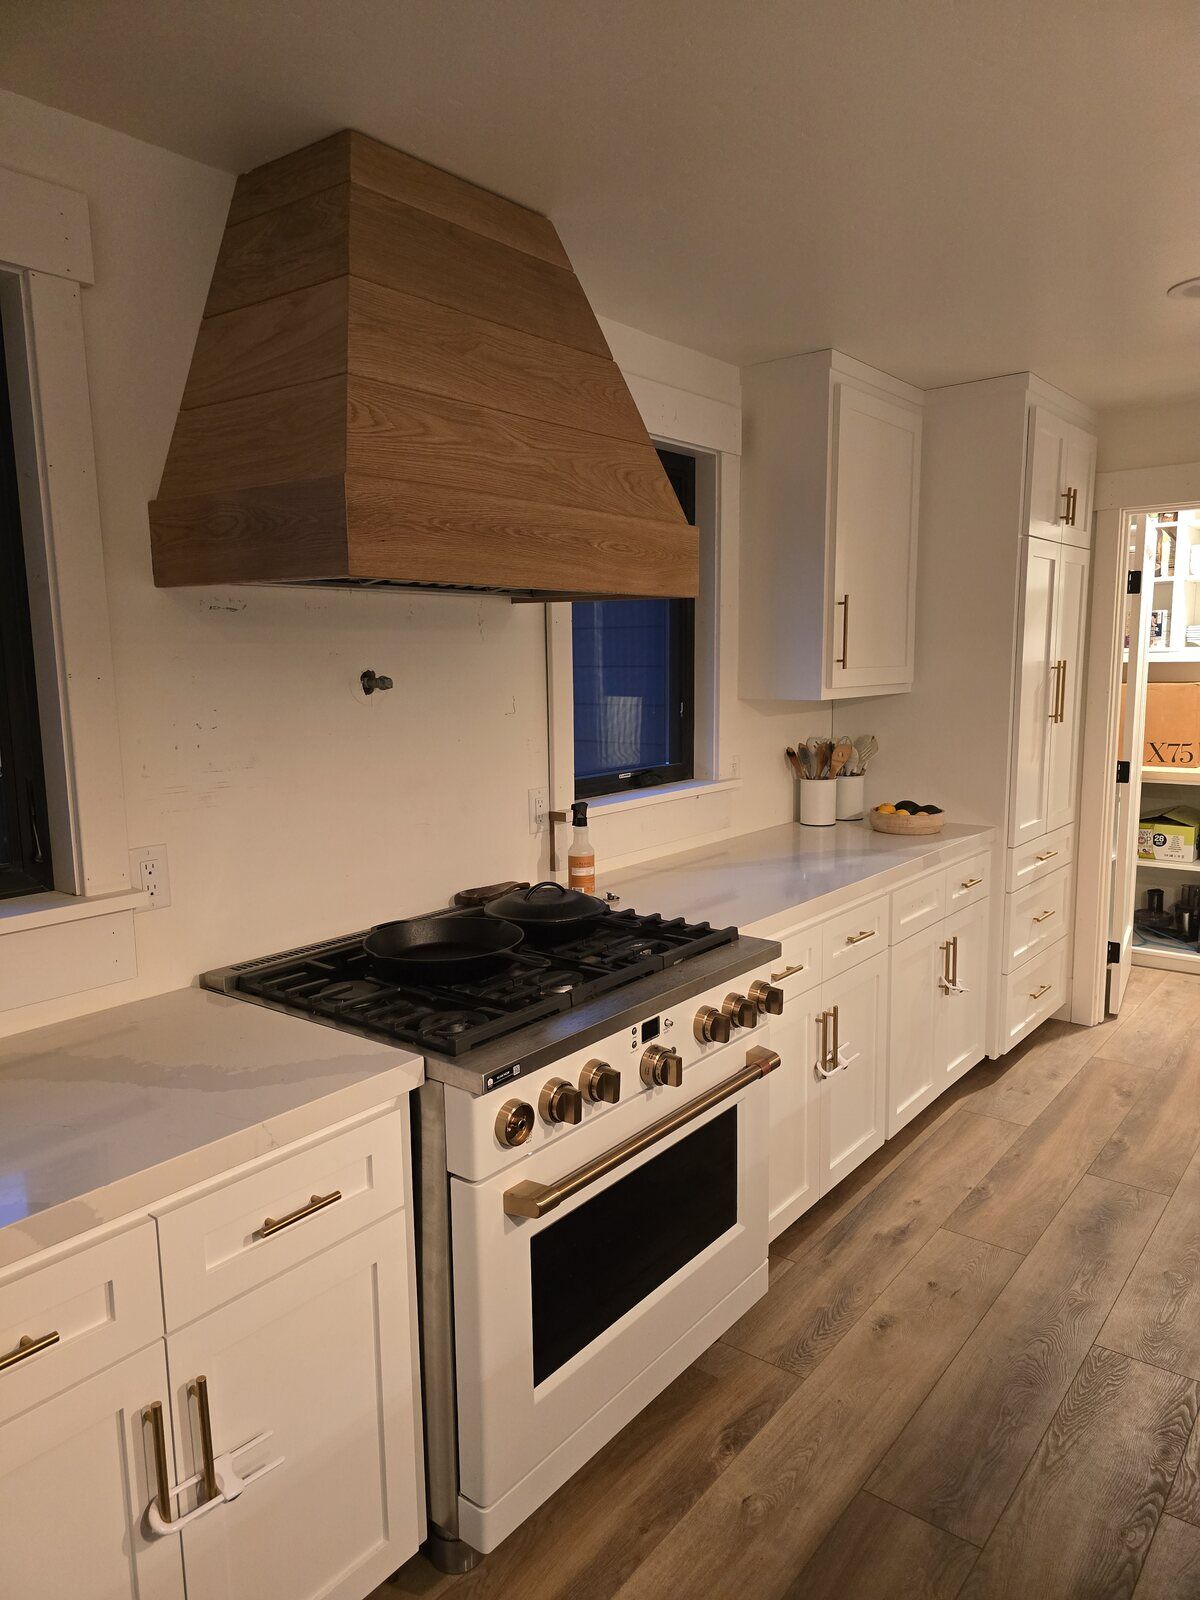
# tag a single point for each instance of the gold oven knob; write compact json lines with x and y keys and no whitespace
{"x":741,"y":1012}
{"x":514,"y":1123}
{"x":712,"y":1026}
{"x":560,"y":1101}
{"x":662,"y":1066}
{"x":767,"y":997}
{"x":599,"y":1081}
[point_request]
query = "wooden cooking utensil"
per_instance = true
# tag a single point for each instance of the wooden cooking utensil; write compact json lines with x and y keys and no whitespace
{"x":842,"y":752}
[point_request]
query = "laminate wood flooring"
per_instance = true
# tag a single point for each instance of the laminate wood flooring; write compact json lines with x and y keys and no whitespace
{"x":975,"y":1374}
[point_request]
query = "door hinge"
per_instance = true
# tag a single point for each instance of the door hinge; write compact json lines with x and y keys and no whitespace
{"x":1114,"y":952}
{"x":1133,"y":583}
{"x":1122,"y":772}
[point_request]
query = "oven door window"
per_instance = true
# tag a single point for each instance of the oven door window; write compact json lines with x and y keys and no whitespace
{"x":594,"y":1265}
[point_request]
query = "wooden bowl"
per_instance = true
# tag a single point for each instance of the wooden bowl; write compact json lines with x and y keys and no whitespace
{"x":904,"y":822}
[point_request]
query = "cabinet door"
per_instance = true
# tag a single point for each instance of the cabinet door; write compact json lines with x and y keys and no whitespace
{"x":76,"y":1476}
{"x":873,"y":524}
{"x":1070,"y":642}
{"x":792,"y":1183}
{"x":1079,"y":476}
{"x":961,"y":1014}
{"x":1036,"y":681}
{"x":322,"y":1356}
{"x":912,"y":1077}
{"x":854,"y":1100}
{"x":1044,"y":474}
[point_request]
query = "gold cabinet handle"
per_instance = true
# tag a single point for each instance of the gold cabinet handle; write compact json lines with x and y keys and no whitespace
{"x":153,"y":1414}
{"x":971,"y":883}
{"x":844,"y":602}
{"x":1071,"y":496}
{"x":1045,"y":916}
{"x":945,"y":949}
{"x":1062,"y":692}
{"x":857,"y":938}
{"x":532,"y":1199}
{"x":208,"y":1469}
{"x":1036,"y":994}
{"x":318,"y":1202}
{"x":26,"y":1347}
{"x":788,"y":972}
{"x":1046,"y":855}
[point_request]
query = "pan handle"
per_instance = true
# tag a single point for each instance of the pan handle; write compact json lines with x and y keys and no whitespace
{"x":546,"y":883}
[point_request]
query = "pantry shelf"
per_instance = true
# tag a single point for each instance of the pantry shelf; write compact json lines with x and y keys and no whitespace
{"x":1192,"y":867}
{"x":1171,"y":775}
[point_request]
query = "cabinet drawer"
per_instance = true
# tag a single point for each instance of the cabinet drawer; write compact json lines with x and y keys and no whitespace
{"x":1040,"y":857}
{"x":238,"y":1236}
{"x":91,"y":1308}
{"x":1034,"y":918}
{"x":968,"y":881}
{"x":799,"y":966}
{"x":918,"y":905}
{"x":1035,"y":991}
{"x":854,"y":936}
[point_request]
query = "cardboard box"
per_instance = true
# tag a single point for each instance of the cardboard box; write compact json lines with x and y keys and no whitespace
{"x":1174,"y":836}
{"x":1172,"y":725}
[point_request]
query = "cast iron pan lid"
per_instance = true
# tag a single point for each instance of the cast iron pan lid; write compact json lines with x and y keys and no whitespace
{"x":547,"y":905}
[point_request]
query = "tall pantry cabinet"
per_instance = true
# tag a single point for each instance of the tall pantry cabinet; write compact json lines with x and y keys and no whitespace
{"x":992,"y":729}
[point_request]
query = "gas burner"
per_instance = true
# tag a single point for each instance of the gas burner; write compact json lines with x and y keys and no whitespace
{"x":347,"y":992}
{"x":449,"y":1024}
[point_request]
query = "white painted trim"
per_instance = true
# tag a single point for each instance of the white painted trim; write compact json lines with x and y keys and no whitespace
{"x":635,"y":799}
{"x":44,"y":227}
{"x":1149,"y":488}
{"x":50,"y":909}
{"x":675,"y":416}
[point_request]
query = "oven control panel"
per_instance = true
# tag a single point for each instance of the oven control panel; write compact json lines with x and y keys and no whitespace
{"x":654,"y":1062}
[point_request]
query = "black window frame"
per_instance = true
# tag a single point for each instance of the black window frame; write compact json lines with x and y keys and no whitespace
{"x":22,"y":770}
{"x":681,"y":471}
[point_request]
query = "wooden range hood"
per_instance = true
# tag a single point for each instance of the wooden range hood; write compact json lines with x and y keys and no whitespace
{"x":399,"y":380}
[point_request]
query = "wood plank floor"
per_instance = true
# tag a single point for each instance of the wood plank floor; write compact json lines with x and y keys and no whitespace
{"x":976,"y":1372}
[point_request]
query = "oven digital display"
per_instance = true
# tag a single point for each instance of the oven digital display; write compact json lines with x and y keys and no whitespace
{"x":651,"y":1029}
{"x":593,"y":1266}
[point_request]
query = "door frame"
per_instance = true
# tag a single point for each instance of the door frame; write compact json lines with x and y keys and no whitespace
{"x":1118,"y":496}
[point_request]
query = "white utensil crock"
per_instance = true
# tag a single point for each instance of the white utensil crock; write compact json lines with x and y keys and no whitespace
{"x":818,"y":802}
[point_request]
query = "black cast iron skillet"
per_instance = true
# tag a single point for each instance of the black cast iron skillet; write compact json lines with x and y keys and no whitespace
{"x":441,"y":947}
{"x":548,"y":912}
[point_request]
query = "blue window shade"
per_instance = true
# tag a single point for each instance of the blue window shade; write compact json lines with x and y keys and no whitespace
{"x":633,"y":680}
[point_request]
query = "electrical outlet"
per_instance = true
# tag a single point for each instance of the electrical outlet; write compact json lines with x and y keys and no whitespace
{"x":735,"y":767}
{"x":148,"y":870}
{"x":539,"y":805}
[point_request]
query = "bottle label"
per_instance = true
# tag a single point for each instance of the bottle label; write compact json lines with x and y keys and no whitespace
{"x":581,"y":875}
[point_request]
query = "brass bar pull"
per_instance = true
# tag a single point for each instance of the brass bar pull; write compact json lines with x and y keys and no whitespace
{"x":971,"y":883}
{"x":837,"y":1040}
{"x":857,"y":938}
{"x":1045,"y":916}
{"x":1062,"y":693}
{"x":25,"y":1348}
{"x":208,"y":1470}
{"x":1036,"y":994}
{"x":954,"y":961}
{"x":1046,"y":855}
{"x":1071,"y":496}
{"x":318,"y":1202}
{"x":531,"y":1199}
{"x":822,"y":1061}
{"x":947,"y":980}
{"x":153,"y":1414}
{"x":844,"y":602}
{"x":788,"y":972}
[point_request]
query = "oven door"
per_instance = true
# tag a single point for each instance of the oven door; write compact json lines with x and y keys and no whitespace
{"x":557,"y":1315}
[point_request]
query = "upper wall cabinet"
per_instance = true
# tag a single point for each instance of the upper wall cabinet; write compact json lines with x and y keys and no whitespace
{"x":830,"y":480}
{"x":1060,"y":475}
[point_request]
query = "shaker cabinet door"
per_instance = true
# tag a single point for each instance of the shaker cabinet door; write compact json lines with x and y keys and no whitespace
{"x":961,"y":1015}
{"x":916,"y":965}
{"x":1066,"y":726}
{"x":1037,"y":681}
{"x":870,"y":615}
{"x":76,"y":1477}
{"x":1079,"y":477}
{"x":1044,"y":474}
{"x":854,"y":1097}
{"x":792,"y":1183}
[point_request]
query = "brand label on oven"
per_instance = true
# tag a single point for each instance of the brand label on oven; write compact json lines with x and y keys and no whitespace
{"x":505,"y":1075}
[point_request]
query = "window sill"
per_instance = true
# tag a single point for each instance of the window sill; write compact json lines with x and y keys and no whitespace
{"x":45,"y":910}
{"x":634,"y":799}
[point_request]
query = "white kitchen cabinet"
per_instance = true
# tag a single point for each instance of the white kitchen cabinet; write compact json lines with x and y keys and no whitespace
{"x":76,"y":1476}
{"x":960,"y":1034}
{"x":830,"y":490}
{"x":321,"y":1357}
{"x":852,"y":1099}
{"x":1060,"y":474}
{"x":793,"y":1177}
{"x":1047,"y":732}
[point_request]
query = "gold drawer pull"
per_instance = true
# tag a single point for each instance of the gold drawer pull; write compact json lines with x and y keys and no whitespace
{"x":27,"y":1347}
{"x":153,"y":1414}
{"x":857,"y":938}
{"x":1036,"y":994}
{"x":317,"y":1203}
{"x":1046,"y":855}
{"x":788,"y":972}
{"x":1045,"y":916}
{"x":971,"y":883}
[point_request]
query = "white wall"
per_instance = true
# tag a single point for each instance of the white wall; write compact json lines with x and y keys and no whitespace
{"x":1149,"y":436}
{"x":291,"y":809}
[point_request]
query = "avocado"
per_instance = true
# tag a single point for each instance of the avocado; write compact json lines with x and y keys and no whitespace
{"x":910,"y":806}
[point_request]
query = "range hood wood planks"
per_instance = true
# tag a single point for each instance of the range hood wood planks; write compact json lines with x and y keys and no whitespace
{"x":399,"y":380}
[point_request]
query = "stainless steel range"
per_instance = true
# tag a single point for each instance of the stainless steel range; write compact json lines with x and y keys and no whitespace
{"x":591,"y":1167}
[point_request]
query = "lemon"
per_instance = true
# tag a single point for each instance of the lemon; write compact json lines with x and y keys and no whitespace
{"x":886,"y":811}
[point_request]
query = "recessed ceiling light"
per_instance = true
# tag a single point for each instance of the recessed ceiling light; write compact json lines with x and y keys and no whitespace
{"x":1187,"y":289}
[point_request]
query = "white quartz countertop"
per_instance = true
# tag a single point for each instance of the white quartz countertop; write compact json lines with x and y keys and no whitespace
{"x":110,"y":1113}
{"x":756,"y":879}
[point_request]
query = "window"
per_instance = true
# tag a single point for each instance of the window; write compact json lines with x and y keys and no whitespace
{"x":24,"y":838}
{"x":634,"y":679}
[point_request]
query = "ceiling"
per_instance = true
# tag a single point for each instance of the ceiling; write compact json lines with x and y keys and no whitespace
{"x":947,"y":189}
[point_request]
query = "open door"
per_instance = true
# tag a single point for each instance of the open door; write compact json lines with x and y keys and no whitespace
{"x":1127,"y":811}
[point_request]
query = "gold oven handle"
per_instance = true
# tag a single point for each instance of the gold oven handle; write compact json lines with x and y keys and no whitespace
{"x":318,"y":1202}
{"x":25,"y":1348}
{"x":531,"y":1199}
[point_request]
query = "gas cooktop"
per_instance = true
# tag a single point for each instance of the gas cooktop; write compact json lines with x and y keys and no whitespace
{"x":337,"y":982}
